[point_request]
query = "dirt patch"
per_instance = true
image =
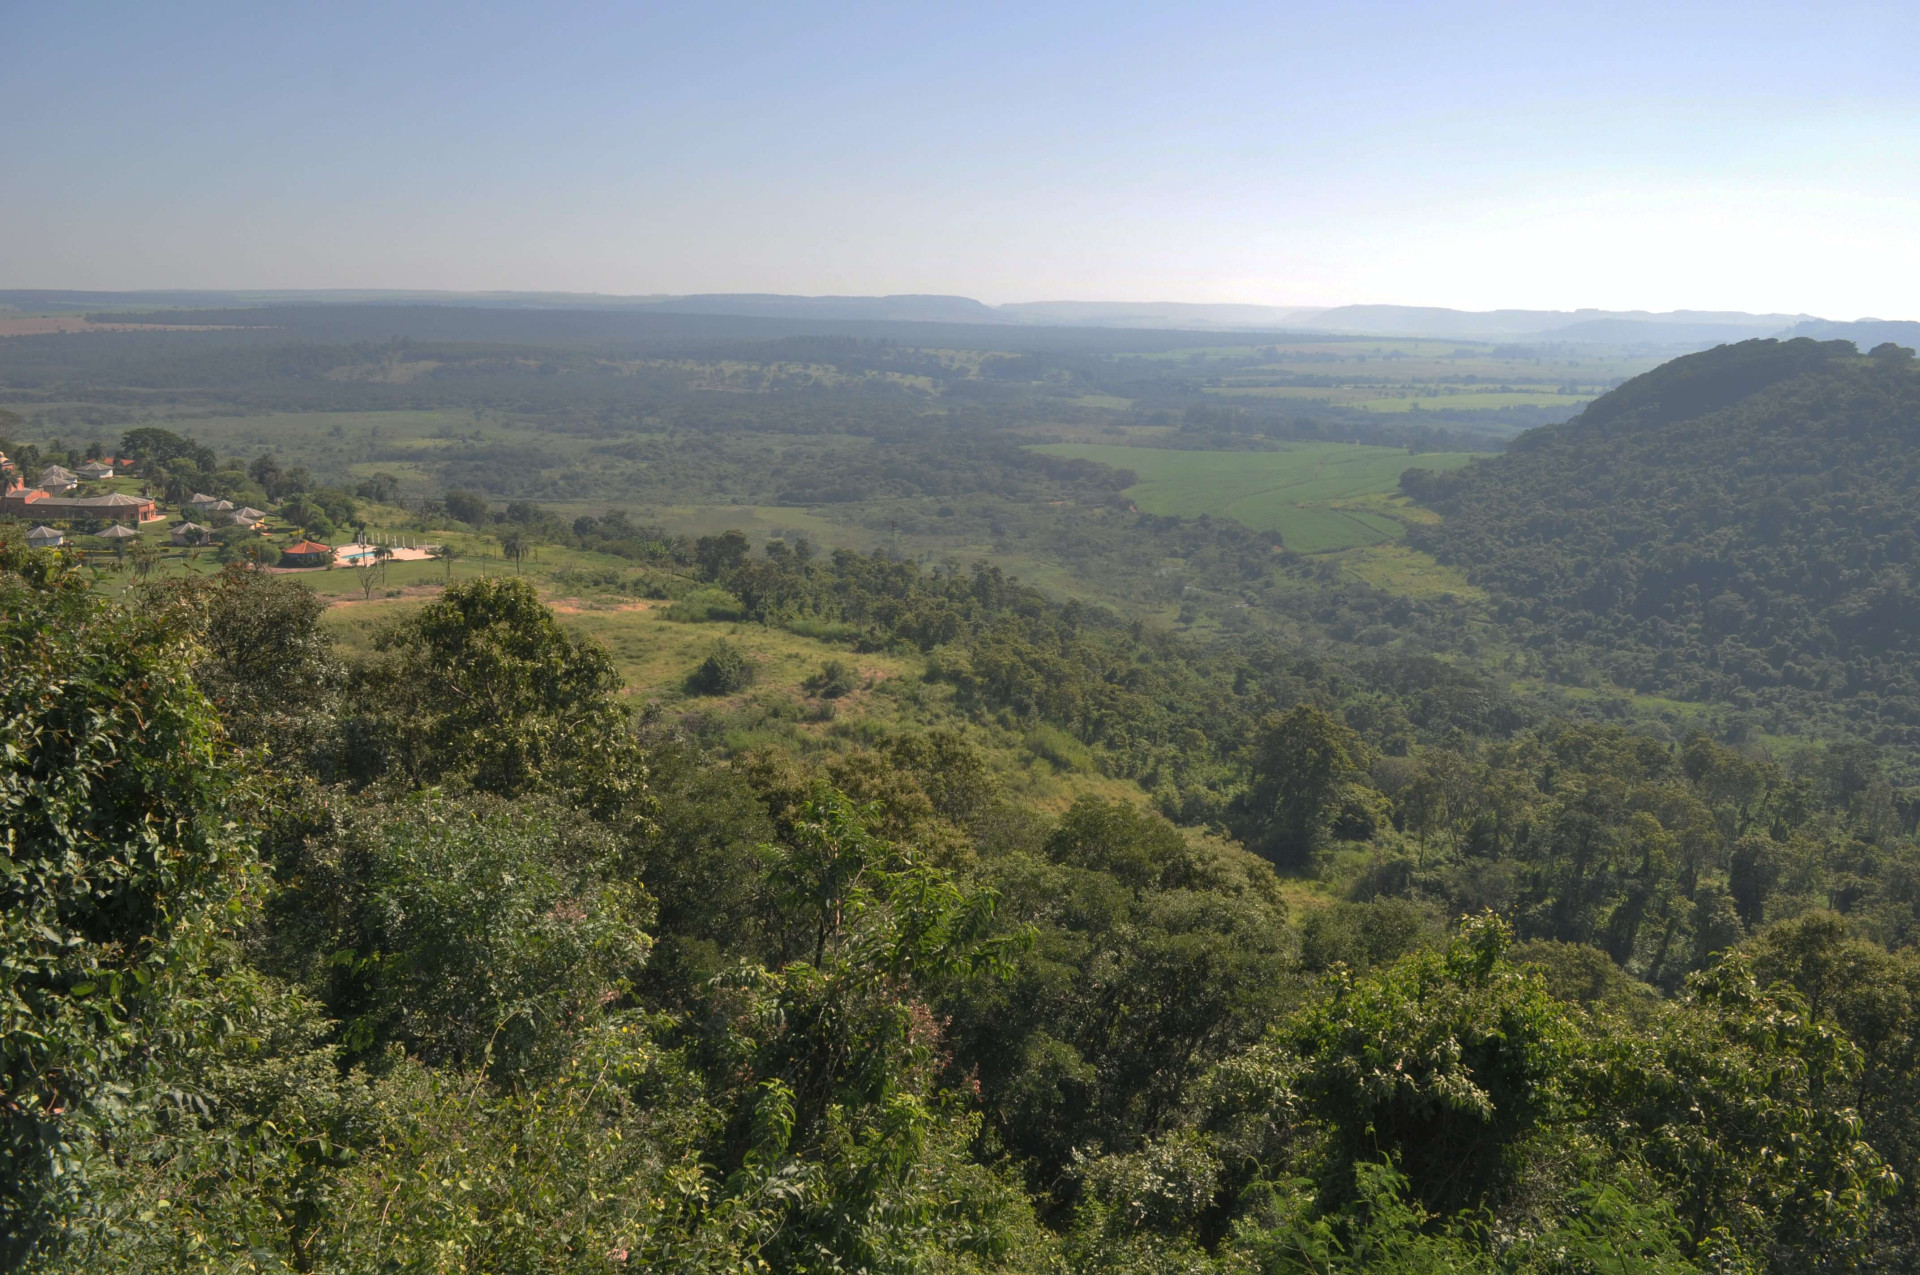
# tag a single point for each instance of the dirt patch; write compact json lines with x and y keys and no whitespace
{"x":577,"y":606}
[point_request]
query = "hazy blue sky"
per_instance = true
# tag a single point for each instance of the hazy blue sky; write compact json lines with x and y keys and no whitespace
{"x":1753,"y":156}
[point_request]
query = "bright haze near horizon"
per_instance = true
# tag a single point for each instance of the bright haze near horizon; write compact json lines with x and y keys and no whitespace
{"x":1755,"y":157}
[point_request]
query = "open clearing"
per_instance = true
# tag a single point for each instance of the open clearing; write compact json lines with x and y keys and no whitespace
{"x":1303,"y":491}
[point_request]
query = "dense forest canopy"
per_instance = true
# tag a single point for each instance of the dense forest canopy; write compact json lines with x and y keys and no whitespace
{"x":429,"y":956}
{"x":961,"y":869}
{"x":1740,"y":525}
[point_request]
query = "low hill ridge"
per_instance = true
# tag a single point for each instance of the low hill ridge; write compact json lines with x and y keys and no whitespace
{"x":1737,"y":525}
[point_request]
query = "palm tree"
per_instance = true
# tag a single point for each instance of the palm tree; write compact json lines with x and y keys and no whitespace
{"x":446,"y":554}
{"x":382,"y":554}
{"x":513,"y":545}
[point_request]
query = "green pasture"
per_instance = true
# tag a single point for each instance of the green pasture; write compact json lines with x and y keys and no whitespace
{"x":1481,"y":399}
{"x":1298,"y":491}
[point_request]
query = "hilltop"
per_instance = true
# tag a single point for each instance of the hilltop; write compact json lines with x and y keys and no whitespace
{"x":1736,"y":525}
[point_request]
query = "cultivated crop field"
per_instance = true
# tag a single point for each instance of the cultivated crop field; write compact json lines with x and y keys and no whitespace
{"x":1299,"y":490}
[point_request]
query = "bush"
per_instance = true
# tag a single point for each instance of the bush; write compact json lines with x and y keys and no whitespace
{"x":835,"y":678}
{"x":467,"y":507}
{"x":723,"y":672}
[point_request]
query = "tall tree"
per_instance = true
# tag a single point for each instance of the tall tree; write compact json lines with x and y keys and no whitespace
{"x":1303,"y":767}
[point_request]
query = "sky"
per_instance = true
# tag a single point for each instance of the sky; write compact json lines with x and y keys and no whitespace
{"x":1753,"y":156}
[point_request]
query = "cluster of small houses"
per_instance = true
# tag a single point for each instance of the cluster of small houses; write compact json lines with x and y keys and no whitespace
{"x":47,"y":500}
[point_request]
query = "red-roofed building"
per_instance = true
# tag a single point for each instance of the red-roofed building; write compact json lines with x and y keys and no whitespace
{"x":18,"y":501}
{"x":307,"y":553}
{"x":18,"y":497}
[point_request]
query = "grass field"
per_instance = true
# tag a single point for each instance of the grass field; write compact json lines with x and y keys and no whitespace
{"x":654,"y":651}
{"x":1313,"y":494}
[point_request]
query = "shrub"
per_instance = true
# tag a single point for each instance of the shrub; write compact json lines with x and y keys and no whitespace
{"x":835,"y":678}
{"x":723,"y":672}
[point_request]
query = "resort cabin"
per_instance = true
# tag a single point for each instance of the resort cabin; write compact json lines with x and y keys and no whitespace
{"x":307,"y":553}
{"x":118,"y":532}
{"x":45,"y":538}
{"x":191,"y":533}
{"x":95,"y":470}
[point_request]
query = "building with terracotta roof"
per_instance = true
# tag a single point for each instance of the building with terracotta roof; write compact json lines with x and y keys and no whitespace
{"x":42,"y":504}
{"x":307,"y":553}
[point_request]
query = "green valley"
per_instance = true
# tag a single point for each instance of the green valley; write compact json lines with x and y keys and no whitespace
{"x":1311,"y":493}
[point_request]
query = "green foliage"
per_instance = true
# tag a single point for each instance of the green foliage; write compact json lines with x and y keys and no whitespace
{"x":1743,"y":1104}
{"x":473,"y":933}
{"x":265,"y":663}
{"x":1443,"y":1063}
{"x":537,"y":987}
{"x":835,"y":678}
{"x":1734,"y":526}
{"x":484,"y":686}
{"x":467,"y":507}
{"x":1151,"y":959}
{"x":125,"y":859}
{"x":151,"y":445}
{"x":724,"y":672}
{"x":1303,"y":786}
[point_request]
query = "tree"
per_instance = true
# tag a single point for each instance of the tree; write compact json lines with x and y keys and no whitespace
{"x":723,"y":672}
{"x":483,"y":686}
{"x":1441,"y":1063}
{"x":265,"y":662}
{"x":367,"y":571}
{"x":154,"y":447}
{"x":467,"y":507}
{"x":1305,"y":764}
{"x":1741,"y":1103}
{"x":513,"y":547}
{"x":265,"y":470}
{"x":125,"y":826}
{"x":718,"y":555}
{"x":482,"y":931}
{"x":446,"y":554}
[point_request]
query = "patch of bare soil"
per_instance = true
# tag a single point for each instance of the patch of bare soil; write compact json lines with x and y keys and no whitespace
{"x":577,"y":606}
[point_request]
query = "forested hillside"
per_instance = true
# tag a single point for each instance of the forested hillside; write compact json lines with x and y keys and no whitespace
{"x":432,"y":956}
{"x":1741,"y":525}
